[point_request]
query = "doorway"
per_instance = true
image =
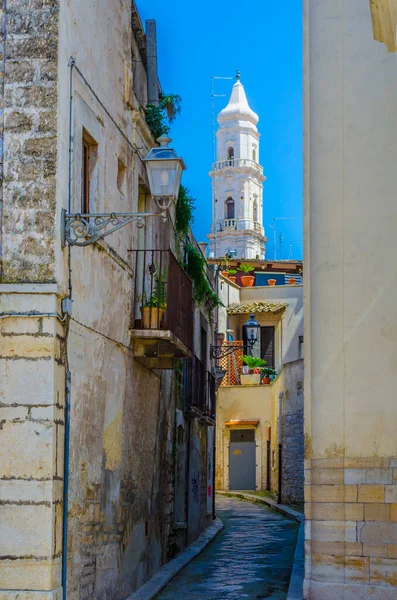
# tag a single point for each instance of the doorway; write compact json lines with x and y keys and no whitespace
{"x":242,"y":459}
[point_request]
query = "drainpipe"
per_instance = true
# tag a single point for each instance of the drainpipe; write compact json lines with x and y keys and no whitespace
{"x":71,"y":65}
{"x":66,"y":487}
{"x":280,"y":446}
{"x":187,"y":480}
{"x":268,"y":452}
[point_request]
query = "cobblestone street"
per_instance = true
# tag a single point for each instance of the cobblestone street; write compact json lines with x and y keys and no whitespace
{"x":251,"y":558}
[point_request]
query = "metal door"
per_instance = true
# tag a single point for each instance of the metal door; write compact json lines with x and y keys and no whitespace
{"x":242,"y":460}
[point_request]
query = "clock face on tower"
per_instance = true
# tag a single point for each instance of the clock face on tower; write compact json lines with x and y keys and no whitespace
{"x":237,"y":182}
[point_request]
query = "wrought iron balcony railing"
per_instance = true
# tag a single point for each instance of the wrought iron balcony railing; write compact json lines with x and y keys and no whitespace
{"x":163,"y":295}
{"x":200,"y":392}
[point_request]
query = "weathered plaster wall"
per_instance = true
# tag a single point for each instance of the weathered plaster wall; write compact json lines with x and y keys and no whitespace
{"x":123,"y":458}
{"x":242,"y":403}
{"x":291,"y":318}
{"x":261,"y":403}
{"x":350,"y":320}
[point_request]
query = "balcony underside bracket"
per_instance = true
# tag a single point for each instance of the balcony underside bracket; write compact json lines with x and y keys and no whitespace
{"x":157,"y":348}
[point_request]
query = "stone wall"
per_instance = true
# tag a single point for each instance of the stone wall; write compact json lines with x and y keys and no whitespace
{"x":30,"y":141}
{"x":32,"y":401}
{"x":288,"y":389}
{"x":122,"y":460}
{"x":350,"y":316}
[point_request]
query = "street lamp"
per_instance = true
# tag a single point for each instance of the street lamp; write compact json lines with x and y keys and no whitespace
{"x":164,"y":170}
{"x":251,"y":329}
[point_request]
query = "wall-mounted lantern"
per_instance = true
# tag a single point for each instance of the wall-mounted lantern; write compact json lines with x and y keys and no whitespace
{"x":251,"y":329}
{"x":164,"y":170}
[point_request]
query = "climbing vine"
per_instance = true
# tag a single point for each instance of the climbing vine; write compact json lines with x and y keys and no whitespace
{"x":184,"y":211}
{"x":159,"y":116}
{"x":195,"y":268}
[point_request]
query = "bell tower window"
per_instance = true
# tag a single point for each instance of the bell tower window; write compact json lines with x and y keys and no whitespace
{"x":255,"y":211}
{"x":229,"y":208}
{"x":230,"y":154}
{"x":254,"y":154}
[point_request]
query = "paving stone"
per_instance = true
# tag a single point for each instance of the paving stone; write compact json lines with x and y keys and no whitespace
{"x":251,"y":558}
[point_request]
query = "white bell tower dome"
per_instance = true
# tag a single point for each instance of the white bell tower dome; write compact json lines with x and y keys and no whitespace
{"x":237,"y":180}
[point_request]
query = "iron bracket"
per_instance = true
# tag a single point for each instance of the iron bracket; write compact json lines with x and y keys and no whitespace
{"x":223,"y":351}
{"x":85,"y":229}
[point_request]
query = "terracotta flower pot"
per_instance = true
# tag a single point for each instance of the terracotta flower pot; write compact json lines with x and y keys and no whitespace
{"x":271,"y":282}
{"x":247,"y":280}
{"x":266,"y":380}
{"x":225,"y":273}
{"x":152,"y":317}
{"x":232,"y":278}
{"x":291,"y":281}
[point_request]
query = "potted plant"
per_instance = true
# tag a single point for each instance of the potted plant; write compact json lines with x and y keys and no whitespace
{"x":225,"y":267}
{"x":231,"y":273}
{"x":247,"y":280}
{"x":254,"y":364}
{"x":267,"y":372}
{"x":271,"y":282}
{"x":291,"y":281}
{"x":153,"y":307}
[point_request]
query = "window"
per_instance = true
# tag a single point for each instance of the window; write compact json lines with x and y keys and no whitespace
{"x":255,"y":211}
{"x":230,"y":153}
{"x":254,"y":154}
{"x":85,"y":177}
{"x":242,"y":435}
{"x":267,"y":345}
{"x":89,"y":161}
{"x":229,"y":208}
{"x":121,"y":176}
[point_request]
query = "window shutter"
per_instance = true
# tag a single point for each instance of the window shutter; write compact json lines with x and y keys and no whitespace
{"x":267,"y":345}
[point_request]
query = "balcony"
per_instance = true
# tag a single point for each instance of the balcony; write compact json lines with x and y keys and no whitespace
{"x":162,"y":312}
{"x":230,"y":224}
{"x":237,"y":163}
{"x":200,"y":393}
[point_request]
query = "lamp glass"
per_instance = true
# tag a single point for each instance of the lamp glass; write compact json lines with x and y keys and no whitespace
{"x":252,"y":329}
{"x":164,"y":177}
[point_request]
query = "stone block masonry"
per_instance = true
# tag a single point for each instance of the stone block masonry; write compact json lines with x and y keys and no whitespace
{"x":351,"y":528}
{"x":32,"y":397}
{"x":29,"y":140}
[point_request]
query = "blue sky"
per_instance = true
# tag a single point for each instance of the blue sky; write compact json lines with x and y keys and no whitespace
{"x":199,"y":40}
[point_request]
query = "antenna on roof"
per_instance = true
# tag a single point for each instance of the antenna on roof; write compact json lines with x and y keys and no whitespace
{"x":275,"y":232}
{"x":213,"y":96}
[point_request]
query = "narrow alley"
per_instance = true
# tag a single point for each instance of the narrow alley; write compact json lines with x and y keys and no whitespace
{"x":250,"y":558}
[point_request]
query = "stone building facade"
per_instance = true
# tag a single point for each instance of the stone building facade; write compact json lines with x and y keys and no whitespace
{"x":268,"y":415}
{"x":93,"y":443}
{"x":350,"y":317}
{"x":237,"y":182}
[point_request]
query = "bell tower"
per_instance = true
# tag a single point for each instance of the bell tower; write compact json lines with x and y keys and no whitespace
{"x":237,"y":182}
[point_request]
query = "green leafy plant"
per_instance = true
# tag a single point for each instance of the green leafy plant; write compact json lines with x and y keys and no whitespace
{"x":231,"y":272}
{"x":158,"y":297}
{"x":195,"y":268}
{"x":267,"y":371}
{"x":247,"y":269}
{"x":158,"y":116}
{"x":184,"y":210}
{"x":254,"y":363}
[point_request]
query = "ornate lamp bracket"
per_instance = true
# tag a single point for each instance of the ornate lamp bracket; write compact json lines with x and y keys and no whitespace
{"x":222,"y":351}
{"x":85,"y":229}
